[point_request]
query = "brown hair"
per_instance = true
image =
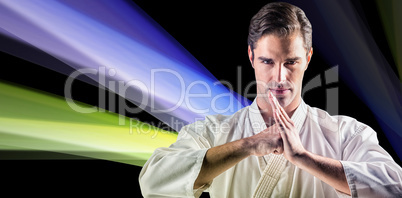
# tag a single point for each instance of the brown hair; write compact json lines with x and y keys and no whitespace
{"x":281,"y":19}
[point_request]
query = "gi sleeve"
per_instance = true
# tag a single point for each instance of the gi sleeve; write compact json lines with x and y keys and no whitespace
{"x":171,"y":172}
{"x":369,"y":169}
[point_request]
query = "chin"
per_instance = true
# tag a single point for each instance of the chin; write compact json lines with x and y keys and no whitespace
{"x":284,"y":101}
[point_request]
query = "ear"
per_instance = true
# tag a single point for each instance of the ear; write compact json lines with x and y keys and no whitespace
{"x":250,"y":55}
{"x":309,"y":55}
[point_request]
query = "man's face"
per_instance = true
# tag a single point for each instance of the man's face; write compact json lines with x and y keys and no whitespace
{"x":279,"y":64}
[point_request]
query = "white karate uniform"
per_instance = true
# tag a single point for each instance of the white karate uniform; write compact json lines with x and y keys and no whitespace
{"x":369,"y":169}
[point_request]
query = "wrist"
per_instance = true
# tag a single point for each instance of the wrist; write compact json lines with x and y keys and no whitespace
{"x":301,"y":159}
{"x":247,"y":146}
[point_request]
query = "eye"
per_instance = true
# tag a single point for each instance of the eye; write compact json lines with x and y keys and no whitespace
{"x":291,"y":63}
{"x":267,"y":62}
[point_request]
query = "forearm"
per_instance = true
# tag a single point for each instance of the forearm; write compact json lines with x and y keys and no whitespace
{"x":168,"y":168}
{"x":326,"y":169}
{"x":219,"y":159}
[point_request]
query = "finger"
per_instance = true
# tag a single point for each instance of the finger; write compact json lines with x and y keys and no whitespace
{"x":274,"y":103}
{"x":280,"y":113}
{"x":278,"y":150}
{"x":276,"y":119}
{"x":279,"y":121}
{"x":280,"y":108}
{"x":283,"y":120}
{"x":286,"y":117}
{"x":271,"y":100}
{"x":282,"y":131}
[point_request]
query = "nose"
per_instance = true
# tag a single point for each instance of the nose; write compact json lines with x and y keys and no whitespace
{"x":280,"y":73}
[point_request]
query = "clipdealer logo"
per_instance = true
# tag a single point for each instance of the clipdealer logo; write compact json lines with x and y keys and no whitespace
{"x":143,"y":95}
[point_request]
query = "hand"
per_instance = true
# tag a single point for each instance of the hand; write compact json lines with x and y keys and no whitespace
{"x":266,"y":142}
{"x":292,"y":146}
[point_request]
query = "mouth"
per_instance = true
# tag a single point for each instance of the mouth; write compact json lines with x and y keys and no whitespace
{"x":279,"y":91}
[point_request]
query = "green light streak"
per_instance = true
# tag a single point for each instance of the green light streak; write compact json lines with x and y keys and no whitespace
{"x":38,"y":121}
{"x":391,"y":16}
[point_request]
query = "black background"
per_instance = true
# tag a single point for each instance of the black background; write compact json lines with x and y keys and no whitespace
{"x":216,"y":35}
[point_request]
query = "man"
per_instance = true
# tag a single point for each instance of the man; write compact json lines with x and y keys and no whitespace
{"x":278,"y":146}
